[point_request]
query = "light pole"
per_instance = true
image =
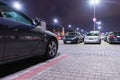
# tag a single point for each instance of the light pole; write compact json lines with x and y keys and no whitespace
{"x":59,"y":26}
{"x":55,"y":22}
{"x":94,"y":2}
{"x":77,"y":29}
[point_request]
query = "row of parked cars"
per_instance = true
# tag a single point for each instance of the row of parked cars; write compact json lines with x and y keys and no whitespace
{"x":112,"y":37}
{"x":21,"y":38}
{"x":92,"y":37}
{"x":76,"y":37}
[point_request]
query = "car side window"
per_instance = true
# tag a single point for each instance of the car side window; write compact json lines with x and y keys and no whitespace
{"x":16,"y":17}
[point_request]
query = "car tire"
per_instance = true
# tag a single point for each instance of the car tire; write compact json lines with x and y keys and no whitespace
{"x":64,"y":42}
{"x":78,"y":41}
{"x":51,"y":49}
{"x":100,"y":42}
{"x":110,"y":42}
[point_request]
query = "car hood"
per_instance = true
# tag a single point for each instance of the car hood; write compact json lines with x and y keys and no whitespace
{"x":70,"y":36}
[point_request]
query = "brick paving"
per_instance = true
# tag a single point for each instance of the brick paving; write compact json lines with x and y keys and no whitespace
{"x":85,"y":62}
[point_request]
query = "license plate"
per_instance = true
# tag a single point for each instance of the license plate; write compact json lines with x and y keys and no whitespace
{"x":68,"y":41}
{"x":90,"y":39}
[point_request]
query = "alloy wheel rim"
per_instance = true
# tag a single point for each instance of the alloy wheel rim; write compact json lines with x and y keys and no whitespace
{"x":52,"y":48}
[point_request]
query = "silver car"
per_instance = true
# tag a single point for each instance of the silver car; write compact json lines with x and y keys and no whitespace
{"x":93,"y":37}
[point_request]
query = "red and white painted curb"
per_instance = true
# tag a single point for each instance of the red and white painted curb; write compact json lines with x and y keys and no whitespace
{"x":27,"y":74}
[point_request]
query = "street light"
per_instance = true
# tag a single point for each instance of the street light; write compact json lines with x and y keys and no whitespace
{"x":69,"y":26}
{"x":99,"y":23}
{"x":82,"y":30}
{"x":55,"y":20}
{"x":77,"y":28}
{"x":17,"y":5}
{"x":94,"y":2}
{"x":99,"y":27}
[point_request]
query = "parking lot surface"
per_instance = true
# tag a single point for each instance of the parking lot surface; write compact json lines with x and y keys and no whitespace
{"x":76,"y":62}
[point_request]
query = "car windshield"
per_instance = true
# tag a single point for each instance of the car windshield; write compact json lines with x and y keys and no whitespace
{"x":71,"y":34}
{"x":92,"y":34}
{"x":12,"y":14}
{"x":116,"y":33}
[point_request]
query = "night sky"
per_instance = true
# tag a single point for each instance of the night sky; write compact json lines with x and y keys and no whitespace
{"x":78,"y":13}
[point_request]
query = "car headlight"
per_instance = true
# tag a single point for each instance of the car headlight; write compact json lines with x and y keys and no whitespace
{"x":74,"y":38}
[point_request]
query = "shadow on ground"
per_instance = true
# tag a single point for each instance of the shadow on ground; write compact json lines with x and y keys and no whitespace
{"x":115,"y":44}
{"x":16,"y":66}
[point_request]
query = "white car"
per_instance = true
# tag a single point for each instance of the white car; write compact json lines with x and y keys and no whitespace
{"x":93,"y":37}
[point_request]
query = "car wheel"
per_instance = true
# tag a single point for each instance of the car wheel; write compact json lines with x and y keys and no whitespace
{"x":100,"y":42}
{"x":64,"y":42}
{"x":110,"y":42}
{"x":78,"y":41}
{"x":51,"y":50}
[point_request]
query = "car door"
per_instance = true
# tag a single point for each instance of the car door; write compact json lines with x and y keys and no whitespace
{"x":20,"y":40}
{"x":2,"y":45}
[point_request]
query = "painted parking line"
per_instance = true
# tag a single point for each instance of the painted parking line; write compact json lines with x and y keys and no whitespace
{"x":39,"y":69}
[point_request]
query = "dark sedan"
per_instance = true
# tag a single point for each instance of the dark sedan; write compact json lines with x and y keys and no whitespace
{"x":21,"y":38}
{"x":113,"y":37}
{"x":73,"y":37}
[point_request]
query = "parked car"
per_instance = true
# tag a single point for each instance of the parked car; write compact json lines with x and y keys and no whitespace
{"x":73,"y":37}
{"x":106,"y":34}
{"x":93,"y":37}
{"x":21,"y":38}
{"x":113,"y":37}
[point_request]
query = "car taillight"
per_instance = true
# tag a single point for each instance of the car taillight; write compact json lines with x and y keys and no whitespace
{"x":112,"y":36}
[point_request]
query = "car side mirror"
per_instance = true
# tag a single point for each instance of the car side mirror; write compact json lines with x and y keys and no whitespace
{"x":36,"y":22}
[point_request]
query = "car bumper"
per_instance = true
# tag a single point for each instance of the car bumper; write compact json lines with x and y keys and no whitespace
{"x":115,"y":40}
{"x":70,"y":41}
{"x":92,"y":41}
